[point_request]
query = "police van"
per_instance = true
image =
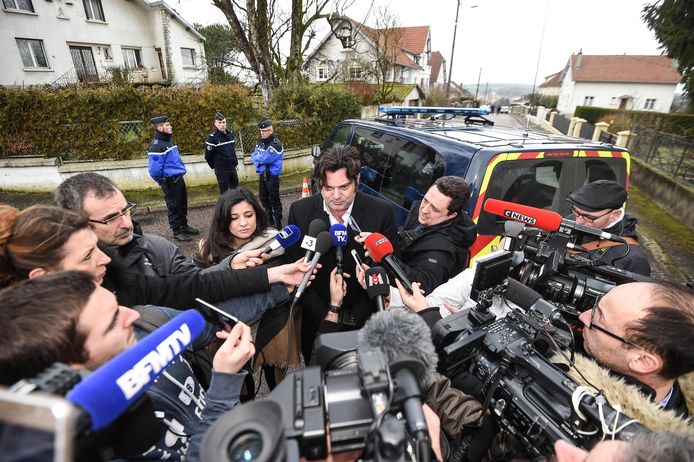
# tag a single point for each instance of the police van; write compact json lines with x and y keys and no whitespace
{"x":402,"y":155}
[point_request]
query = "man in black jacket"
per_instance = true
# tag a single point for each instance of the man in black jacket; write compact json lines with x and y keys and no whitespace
{"x":337,"y":174}
{"x":433,"y":243}
{"x":220,"y":154}
{"x":600,"y":205}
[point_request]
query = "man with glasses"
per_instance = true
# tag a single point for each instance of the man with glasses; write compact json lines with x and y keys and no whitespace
{"x":97,"y":197}
{"x":267,"y":157}
{"x":645,"y":331}
{"x":600,"y":205}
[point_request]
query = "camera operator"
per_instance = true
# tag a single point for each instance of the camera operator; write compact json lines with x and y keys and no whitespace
{"x":641,"y":332}
{"x":599,"y":205}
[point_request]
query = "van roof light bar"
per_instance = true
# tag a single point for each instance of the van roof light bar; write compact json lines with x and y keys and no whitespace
{"x":412,"y":110}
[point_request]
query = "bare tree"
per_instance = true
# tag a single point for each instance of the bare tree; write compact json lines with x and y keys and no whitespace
{"x":385,"y":52}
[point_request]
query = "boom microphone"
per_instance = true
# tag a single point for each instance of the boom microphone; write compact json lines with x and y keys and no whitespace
{"x":324,"y":241}
{"x":111,"y":389}
{"x":405,"y":340}
{"x":377,"y":285}
{"x":527,"y":298}
{"x":309,"y":242}
{"x":285,"y":237}
{"x":543,"y":219}
{"x":339,"y":233}
{"x":382,"y":251}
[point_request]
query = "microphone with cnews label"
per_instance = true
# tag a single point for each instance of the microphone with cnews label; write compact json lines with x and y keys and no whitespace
{"x":339,"y":233}
{"x":543,"y":219}
{"x":381,"y":251}
{"x":285,"y":238}
{"x":309,"y":242}
{"x":108,"y":392}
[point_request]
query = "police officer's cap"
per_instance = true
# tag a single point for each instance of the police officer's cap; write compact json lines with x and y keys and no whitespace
{"x":219,"y":116}
{"x":265,"y":123}
{"x":599,"y":195}
{"x":160,"y":119}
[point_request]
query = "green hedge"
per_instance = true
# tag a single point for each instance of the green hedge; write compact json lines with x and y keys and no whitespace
{"x":83,"y":122}
{"x":679,"y":124}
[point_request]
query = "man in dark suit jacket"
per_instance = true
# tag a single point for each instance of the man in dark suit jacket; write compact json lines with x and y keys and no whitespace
{"x":337,"y":175}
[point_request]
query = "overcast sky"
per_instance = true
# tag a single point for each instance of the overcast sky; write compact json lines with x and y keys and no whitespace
{"x":502,"y":37}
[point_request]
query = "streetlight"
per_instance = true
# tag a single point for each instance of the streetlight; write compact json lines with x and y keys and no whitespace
{"x":342,"y":29}
{"x":450,"y":66}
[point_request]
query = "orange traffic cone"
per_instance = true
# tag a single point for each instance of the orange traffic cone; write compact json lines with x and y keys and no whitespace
{"x":304,"y":189}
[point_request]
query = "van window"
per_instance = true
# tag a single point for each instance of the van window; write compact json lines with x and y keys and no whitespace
{"x":339,"y":138}
{"x":544,"y":184}
{"x":399,"y":169}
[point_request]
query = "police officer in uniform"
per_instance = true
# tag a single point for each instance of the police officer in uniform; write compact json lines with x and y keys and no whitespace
{"x":220,"y":154}
{"x":600,"y":205}
{"x":167,"y":169}
{"x":267,"y":157}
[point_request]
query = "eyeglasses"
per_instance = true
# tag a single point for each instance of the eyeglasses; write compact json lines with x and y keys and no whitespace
{"x":588,"y":218}
{"x":116,"y":217}
{"x":592,"y":325}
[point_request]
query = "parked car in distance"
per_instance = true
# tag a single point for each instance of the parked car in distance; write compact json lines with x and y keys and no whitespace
{"x":503,"y":110}
{"x":401,"y":156}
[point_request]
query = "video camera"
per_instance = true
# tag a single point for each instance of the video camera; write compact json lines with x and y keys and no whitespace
{"x":530,"y":398}
{"x":351,"y":400}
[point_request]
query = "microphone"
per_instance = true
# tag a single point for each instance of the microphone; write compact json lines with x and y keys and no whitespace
{"x":111,"y":389}
{"x":309,"y":242}
{"x":324,"y":241}
{"x":405,"y":340}
{"x":339,"y":233}
{"x":285,"y":237}
{"x":382,"y":251}
{"x":543,"y":219}
{"x":377,"y":285}
{"x":528,"y":299}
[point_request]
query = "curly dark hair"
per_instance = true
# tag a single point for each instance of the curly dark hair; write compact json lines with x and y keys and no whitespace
{"x":217,"y":244}
{"x":334,"y":159}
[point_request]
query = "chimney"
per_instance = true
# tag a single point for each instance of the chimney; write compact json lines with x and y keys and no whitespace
{"x":578,"y":59}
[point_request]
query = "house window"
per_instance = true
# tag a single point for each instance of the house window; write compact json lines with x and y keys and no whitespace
{"x":322,"y":73}
{"x":188,"y":55}
{"x":650,"y":104}
{"x":355,"y":73}
{"x":23,"y":5}
{"x":588,"y":100}
{"x":131,"y":58}
{"x":94,"y":10}
{"x":32,"y":53}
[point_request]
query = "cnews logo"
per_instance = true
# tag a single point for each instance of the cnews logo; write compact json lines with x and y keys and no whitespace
{"x":519,"y":217}
{"x":132,"y":381}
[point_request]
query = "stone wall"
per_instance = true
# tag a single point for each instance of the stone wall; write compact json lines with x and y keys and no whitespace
{"x":44,"y":175}
{"x":672,"y":196}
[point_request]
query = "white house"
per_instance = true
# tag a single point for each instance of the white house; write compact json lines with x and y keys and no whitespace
{"x":406,"y":48}
{"x":645,"y":83}
{"x":551,"y":86}
{"x":68,"y":41}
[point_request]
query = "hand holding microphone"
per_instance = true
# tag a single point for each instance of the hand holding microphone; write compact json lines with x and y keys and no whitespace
{"x":285,"y":238}
{"x":381,"y":251}
{"x":324,"y":242}
{"x":377,"y":286}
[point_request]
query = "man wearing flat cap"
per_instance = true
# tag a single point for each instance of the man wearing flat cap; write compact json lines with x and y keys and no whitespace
{"x":220,"y":154}
{"x":600,"y":205}
{"x":167,"y":169}
{"x":267,"y":157}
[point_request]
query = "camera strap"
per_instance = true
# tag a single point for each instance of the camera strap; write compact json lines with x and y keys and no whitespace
{"x":603,"y":244}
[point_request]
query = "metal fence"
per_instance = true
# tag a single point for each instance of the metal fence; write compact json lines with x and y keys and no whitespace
{"x":561,"y":123}
{"x":671,"y":153}
{"x":607,"y":137}
{"x":587,"y":131}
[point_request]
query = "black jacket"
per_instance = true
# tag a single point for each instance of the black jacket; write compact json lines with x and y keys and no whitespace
{"x":433,"y":254}
{"x":220,"y":150}
{"x":180,"y":290}
{"x":371,"y":214}
{"x":634,"y":260}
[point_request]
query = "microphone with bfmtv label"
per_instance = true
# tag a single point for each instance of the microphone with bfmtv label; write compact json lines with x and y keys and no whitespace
{"x":285,"y":238}
{"x":339,"y":233}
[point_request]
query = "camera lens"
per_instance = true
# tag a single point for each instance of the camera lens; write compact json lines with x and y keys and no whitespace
{"x":245,"y":447}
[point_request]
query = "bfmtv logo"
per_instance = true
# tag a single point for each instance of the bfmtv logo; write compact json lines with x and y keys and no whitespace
{"x":341,"y":236}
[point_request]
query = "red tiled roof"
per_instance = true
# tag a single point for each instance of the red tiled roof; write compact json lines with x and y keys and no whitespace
{"x":623,"y":68}
{"x":553,"y":80}
{"x":413,"y":39}
{"x":435,"y":62}
{"x":408,"y":39}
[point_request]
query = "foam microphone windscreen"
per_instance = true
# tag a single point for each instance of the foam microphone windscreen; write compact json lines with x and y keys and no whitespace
{"x":111,"y":389}
{"x":339,"y":233}
{"x":316,"y":226}
{"x":379,"y":246}
{"x":288,"y":236}
{"x":520,"y":294}
{"x":539,"y":218}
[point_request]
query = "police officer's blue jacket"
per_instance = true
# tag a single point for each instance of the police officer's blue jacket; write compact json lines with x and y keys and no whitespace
{"x":164,"y":159}
{"x":268,"y":154}
{"x":220,"y":150}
